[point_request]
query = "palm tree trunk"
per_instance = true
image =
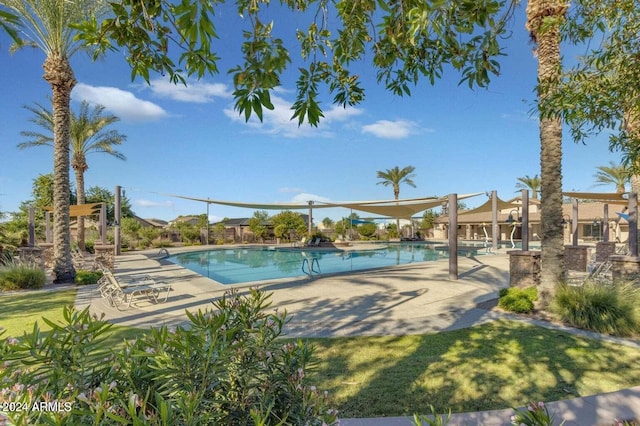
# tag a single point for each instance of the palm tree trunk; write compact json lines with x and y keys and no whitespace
{"x":58,"y":73}
{"x":632,"y":126}
{"x":543,"y":20}
{"x":81,"y":200}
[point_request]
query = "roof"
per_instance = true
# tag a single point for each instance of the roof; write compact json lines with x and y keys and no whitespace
{"x":587,"y":212}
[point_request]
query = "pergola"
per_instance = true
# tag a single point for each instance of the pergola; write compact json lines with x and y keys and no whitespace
{"x":80,"y":210}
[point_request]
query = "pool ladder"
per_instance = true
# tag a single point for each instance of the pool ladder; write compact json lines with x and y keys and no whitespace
{"x":310,"y":268}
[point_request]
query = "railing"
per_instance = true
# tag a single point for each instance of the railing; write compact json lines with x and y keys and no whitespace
{"x":310,"y":267}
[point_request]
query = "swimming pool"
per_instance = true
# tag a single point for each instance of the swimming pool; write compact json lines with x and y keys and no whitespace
{"x":249,"y":264}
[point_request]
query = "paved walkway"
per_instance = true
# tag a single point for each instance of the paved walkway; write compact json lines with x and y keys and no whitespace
{"x":400,"y":300}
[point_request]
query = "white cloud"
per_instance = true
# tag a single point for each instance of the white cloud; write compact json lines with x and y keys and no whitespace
{"x":121,"y":103}
{"x":278,"y":121}
{"x":386,"y":129}
{"x":215,"y":219}
{"x":194,"y":92}
{"x":148,"y":203}
{"x":519,"y":117}
{"x":287,"y":189}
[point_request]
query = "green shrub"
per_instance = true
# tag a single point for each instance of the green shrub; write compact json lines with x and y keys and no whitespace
{"x":226,"y":367}
{"x":21,"y":275}
{"x":518,"y":300}
{"x":89,"y":246}
{"x":87,"y":277}
{"x":609,"y":309}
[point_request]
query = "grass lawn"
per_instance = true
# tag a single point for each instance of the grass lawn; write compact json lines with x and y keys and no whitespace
{"x":20,"y":311}
{"x":498,"y":365}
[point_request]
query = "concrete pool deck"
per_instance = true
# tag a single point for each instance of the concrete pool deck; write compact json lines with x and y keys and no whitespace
{"x":407,"y":299}
{"x":404,"y":299}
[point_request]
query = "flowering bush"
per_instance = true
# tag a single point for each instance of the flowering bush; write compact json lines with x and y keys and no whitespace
{"x":536,"y":414}
{"x":225,"y":367}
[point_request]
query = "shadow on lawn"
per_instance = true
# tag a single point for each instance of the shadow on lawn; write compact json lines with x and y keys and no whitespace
{"x":492,"y":366}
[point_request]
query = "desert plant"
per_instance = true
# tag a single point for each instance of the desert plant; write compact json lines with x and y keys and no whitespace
{"x":518,"y":300}
{"x":610,"y":309}
{"x":225,"y":367}
{"x":434,"y":420}
{"x":17,"y":274}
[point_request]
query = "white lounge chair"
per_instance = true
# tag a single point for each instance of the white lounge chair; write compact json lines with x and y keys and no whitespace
{"x":314,"y":243}
{"x":300,"y":243}
{"x":118,"y":293}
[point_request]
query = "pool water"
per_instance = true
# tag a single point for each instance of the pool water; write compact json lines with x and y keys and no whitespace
{"x":242,"y":265}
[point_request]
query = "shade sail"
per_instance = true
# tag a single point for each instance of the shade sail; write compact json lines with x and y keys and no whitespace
{"x":624,"y":216}
{"x":81,"y":209}
{"x":403,"y":208}
{"x":612,"y":198}
{"x":488,"y":206}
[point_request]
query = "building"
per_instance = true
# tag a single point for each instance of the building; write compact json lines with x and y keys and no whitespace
{"x":475,"y":224}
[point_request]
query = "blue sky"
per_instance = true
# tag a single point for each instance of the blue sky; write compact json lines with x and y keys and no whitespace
{"x":190,"y":141}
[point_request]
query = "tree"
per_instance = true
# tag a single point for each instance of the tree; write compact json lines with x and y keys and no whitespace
{"x":130,"y":228}
{"x":41,"y":200}
{"x":367,"y":230}
{"x":288,"y":224}
{"x":617,"y":175}
{"x":47,"y":24}
{"x":531,"y":183}
{"x":258,"y":224}
{"x":544,"y":18}
{"x":404,"y":42}
{"x":327,"y":222}
{"x":97,"y":194}
{"x":429,"y":219}
{"x":600,"y":92}
{"x":88,"y":134}
{"x":394,"y":177}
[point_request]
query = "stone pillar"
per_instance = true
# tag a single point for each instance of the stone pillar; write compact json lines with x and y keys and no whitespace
{"x":625,"y":268}
{"x":47,"y":254}
{"x":576,"y":258}
{"x":32,"y":255}
{"x":524,"y":268}
{"x":604,"y":249}
{"x":104,"y":256}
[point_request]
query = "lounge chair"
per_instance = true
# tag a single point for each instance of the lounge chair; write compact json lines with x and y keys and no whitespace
{"x":314,"y":243}
{"x":599,"y":273}
{"x":119,"y":293}
{"x":300,"y":243}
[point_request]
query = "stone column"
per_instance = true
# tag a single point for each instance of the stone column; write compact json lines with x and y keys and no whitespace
{"x":524,"y":268}
{"x":47,"y":254}
{"x":32,"y":255}
{"x":625,"y":268}
{"x":576,"y":258}
{"x":604,"y":249}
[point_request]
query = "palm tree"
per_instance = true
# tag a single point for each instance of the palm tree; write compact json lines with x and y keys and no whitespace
{"x":46,"y":24}
{"x":88,"y":134}
{"x":395,"y":177}
{"x":544,"y":18}
{"x":613,"y":174}
{"x":531,"y":183}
